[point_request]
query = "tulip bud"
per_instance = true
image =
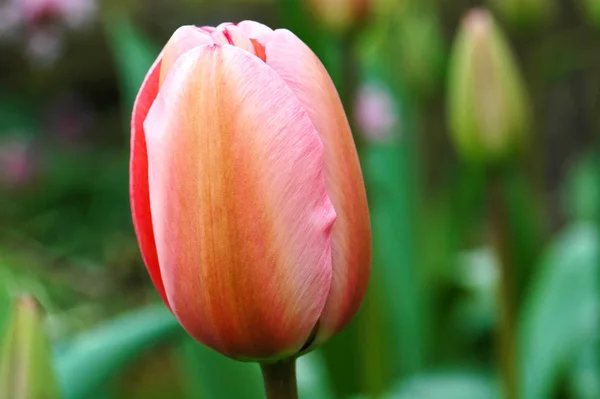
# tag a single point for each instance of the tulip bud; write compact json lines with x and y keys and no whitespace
{"x":246,"y":191}
{"x":340,"y":15}
{"x":525,"y":14}
{"x":487,"y":104}
{"x":25,"y":367}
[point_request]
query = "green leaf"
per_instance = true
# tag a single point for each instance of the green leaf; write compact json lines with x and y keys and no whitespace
{"x":581,"y":191}
{"x":584,"y":382}
{"x":86,"y":362}
{"x":312,"y":377}
{"x":211,"y":375}
{"x":133,"y":55}
{"x":394,"y":251}
{"x":4,"y":298}
{"x":447,"y":385}
{"x":560,"y":313}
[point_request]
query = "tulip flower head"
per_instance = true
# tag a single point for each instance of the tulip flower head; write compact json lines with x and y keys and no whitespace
{"x":247,"y":195}
{"x":489,"y":114}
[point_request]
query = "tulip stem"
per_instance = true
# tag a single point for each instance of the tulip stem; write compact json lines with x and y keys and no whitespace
{"x":280,"y":379}
{"x":507,"y":345}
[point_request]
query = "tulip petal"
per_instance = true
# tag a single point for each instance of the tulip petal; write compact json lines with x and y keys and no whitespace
{"x":138,"y":189}
{"x":240,"y":209}
{"x":255,"y":30}
{"x":351,"y":236}
{"x":183,"y":39}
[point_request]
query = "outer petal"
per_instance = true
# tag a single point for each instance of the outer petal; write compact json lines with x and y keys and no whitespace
{"x":240,"y":209}
{"x":255,"y":30}
{"x":138,"y":171}
{"x":183,"y":39}
{"x":351,"y":237}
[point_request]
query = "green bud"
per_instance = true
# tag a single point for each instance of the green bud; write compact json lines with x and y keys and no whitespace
{"x":489,"y":114}
{"x":25,"y":361}
{"x":525,"y":14}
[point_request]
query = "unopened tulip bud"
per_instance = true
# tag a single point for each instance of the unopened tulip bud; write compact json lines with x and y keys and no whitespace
{"x":25,"y":361}
{"x":489,"y":115}
{"x":340,"y":15}
{"x":246,"y":191}
{"x":525,"y":14}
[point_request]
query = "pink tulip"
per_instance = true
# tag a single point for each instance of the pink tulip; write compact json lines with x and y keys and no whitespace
{"x":247,"y":195}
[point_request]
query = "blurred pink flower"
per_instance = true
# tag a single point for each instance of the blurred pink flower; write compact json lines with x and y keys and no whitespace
{"x":41,"y":24}
{"x":375,"y":112}
{"x":17,"y":163}
{"x":74,"y":13}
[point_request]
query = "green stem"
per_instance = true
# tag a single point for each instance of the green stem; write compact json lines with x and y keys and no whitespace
{"x":280,"y":379}
{"x":507,"y":350}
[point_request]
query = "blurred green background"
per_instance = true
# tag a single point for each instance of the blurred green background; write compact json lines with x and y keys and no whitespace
{"x":431,"y":324}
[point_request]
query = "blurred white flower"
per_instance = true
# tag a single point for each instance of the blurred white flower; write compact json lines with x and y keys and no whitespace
{"x":375,"y":112}
{"x":44,"y":46}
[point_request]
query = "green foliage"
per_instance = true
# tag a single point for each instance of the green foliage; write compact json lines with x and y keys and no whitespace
{"x":560,"y":315}
{"x":211,"y":375}
{"x":134,"y":55}
{"x":89,"y":360}
{"x":429,"y":324}
{"x":448,"y":385}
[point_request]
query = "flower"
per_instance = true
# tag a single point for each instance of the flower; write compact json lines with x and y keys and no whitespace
{"x":74,"y":13}
{"x":41,"y":24}
{"x":26,"y":369}
{"x":375,"y":111}
{"x":247,"y":196}
{"x":488,"y":107}
{"x":18,"y":165}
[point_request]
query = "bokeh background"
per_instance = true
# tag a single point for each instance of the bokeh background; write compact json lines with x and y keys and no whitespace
{"x":430,"y":325}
